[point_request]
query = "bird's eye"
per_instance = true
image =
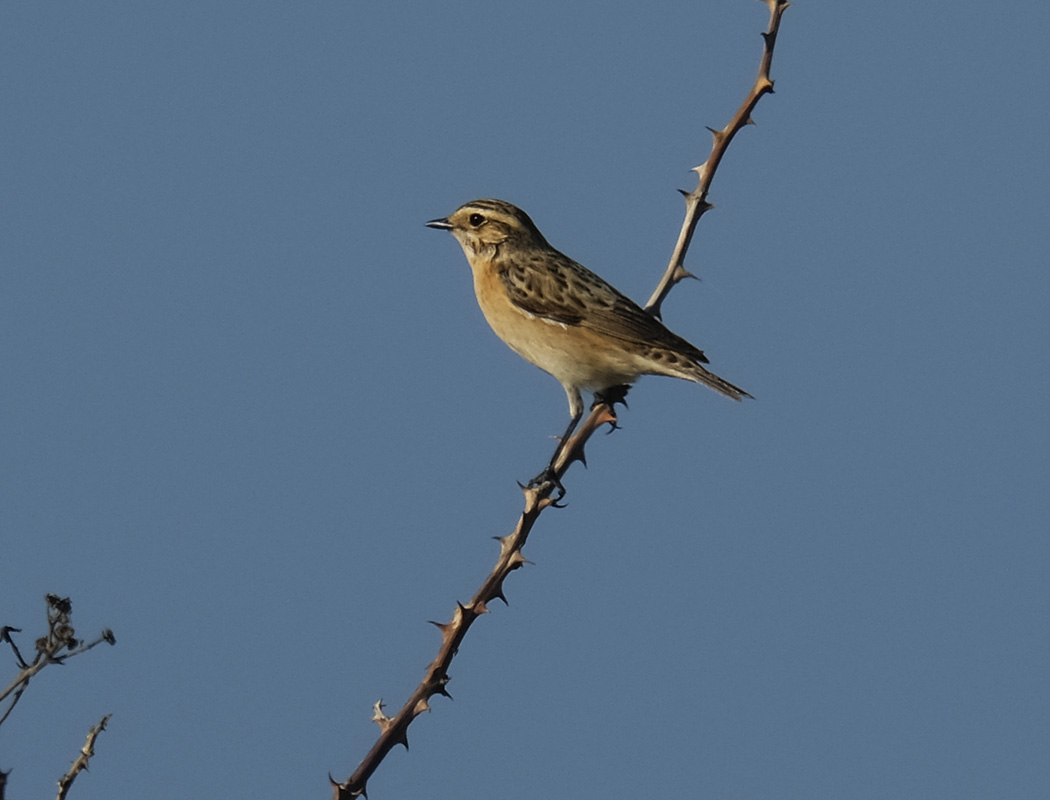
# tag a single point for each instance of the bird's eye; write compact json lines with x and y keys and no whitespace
{"x":476,"y":220}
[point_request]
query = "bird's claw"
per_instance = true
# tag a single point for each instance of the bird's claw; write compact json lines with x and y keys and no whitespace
{"x":612,"y":396}
{"x":546,"y":482}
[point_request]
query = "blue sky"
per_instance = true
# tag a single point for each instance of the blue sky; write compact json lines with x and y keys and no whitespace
{"x":253,"y":421}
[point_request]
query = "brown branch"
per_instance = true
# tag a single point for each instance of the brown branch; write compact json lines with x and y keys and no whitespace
{"x":81,"y":764}
{"x":696,"y":204}
{"x":394,"y":730}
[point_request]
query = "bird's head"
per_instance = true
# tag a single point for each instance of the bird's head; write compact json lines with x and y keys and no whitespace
{"x":483,"y":226}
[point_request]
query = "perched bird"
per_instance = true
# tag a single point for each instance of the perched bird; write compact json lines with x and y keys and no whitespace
{"x":562,"y":317}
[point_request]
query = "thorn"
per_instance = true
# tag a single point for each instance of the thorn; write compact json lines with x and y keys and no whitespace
{"x":461,"y":611}
{"x":378,"y":716}
{"x":684,"y":193}
{"x":516,"y":560}
{"x":481,"y":608}
{"x":577,"y":454}
{"x":421,"y":706}
{"x":472,"y":611}
{"x":441,"y":626}
{"x":505,"y":543}
{"x":680,"y":274}
{"x":497,"y":593}
{"x":346,"y":788}
{"x":440,"y":688}
{"x":532,"y":491}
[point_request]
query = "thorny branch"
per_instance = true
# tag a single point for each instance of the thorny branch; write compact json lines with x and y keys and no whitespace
{"x":81,"y":763}
{"x":394,"y":730}
{"x":696,"y":204}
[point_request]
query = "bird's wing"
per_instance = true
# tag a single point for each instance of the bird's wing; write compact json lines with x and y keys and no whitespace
{"x":553,"y":286}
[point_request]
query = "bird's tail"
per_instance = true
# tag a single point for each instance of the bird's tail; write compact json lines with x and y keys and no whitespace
{"x":700,"y":375}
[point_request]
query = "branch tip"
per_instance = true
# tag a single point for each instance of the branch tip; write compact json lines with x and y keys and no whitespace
{"x":721,"y":139}
{"x":86,"y":752}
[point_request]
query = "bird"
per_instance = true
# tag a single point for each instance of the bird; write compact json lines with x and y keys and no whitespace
{"x":563,"y":318}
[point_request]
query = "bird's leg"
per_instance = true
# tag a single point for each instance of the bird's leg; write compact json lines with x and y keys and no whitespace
{"x":549,"y":475}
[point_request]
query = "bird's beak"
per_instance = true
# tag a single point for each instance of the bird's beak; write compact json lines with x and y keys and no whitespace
{"x":441,"y":224}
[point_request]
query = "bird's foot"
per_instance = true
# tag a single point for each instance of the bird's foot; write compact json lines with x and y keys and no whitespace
{"x":610,"y":397}
{"x":547,"y":482}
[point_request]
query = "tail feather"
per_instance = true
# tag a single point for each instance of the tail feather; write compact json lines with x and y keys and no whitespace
{"x":708,"y":378}
{"x":686,"y":361}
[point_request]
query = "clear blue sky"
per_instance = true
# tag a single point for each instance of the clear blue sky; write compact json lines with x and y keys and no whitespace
{"x":253,"y":421}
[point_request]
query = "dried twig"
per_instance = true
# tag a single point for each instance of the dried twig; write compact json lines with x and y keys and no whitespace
{"x":81,"y":763}
{"x":56,"y":647}
{"x":696,"y":204}
{"x":394,"y":730}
